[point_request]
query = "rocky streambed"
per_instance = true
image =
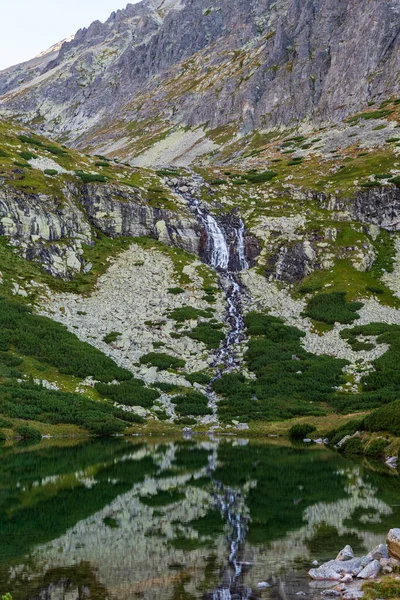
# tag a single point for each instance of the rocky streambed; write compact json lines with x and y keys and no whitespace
{"x":344,"y":576}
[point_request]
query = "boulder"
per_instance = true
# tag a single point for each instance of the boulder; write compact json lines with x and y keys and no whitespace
{"x":324,"y":574}
{"x":371,"y":570}
{"x":393,"y":542}
{"x":381,"y":551}
{"x":345,"y":554}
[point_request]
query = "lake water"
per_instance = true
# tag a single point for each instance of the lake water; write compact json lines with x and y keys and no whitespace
{"x":182,"y":520}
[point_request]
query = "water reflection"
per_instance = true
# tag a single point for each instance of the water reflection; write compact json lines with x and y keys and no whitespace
{"x":118,"y":519}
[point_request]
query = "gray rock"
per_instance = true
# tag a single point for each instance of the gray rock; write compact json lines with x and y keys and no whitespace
{"x":370,"y":571}
{"x":324,"y":573}
{"x":393,"y":542}
{"x":263,"y":585}
{"x":345,"y":554}
{"x":381,"y":551}
{"x":242,"y":426}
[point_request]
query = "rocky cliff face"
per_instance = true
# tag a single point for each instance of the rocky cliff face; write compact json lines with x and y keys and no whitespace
{"x":53,"y":231}
{"x":158,"y":66}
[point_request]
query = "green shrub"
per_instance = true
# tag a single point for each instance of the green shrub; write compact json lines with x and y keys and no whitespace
{"x":382,"y":385}
{"x":288,"y":379}
{"x":386,"y":418}
{"x":3,"y":437}
{"x":200,"y":378}
{"x":129,"y":393}
{"x":385,"y":254}
{"x":332,"y":308}
{"x":54,"y":149}
{"x":35,"y":403}
{"x":260,"y":177}
{"x":28,"y":433}
{"x":352,"y":446}
{"x":91,"y":178}
{"x":187,"y":313}
{"x":50,"y":172}
{"x":27,"y":155}
{"x":375,"y":290}
{"x":162,"y":361}
{"x":4,"y":154}
{"x":192,"y":404}
{"x":376,"y":114}
{"x":52,"y":343}
{"x":30,"y":140}
{"x":209,"y":334}
{"x":301,"y":430}
{"x":376,"y":448}
{"x":335,"y":435}
{"x":111,"y":337}
{"x":175,"y":291}
{"x":217,"y":181}
{"x":101,"y":164}
{"x":4,"y":424}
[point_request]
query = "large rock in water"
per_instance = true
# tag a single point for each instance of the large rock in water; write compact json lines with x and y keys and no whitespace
{"x":393,"y":542}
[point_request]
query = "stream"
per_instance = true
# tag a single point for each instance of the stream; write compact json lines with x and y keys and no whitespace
{"x":228,"y":259}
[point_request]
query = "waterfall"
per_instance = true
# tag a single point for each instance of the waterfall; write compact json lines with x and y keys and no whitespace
{"x":241,"y":248}
{"x":217,"y":244}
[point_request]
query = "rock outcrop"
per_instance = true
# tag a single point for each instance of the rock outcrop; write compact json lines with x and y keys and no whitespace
{"x":53,"y":230}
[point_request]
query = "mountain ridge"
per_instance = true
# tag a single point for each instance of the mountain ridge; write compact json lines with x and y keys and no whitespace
{"x":243,"y":66}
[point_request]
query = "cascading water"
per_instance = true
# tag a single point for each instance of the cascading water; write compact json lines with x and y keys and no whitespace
{"x":219,"y":255}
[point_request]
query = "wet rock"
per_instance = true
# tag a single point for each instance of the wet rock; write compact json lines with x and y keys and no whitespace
{"x":370,"y":571}
{"x":393,"y":542}
{"x":345,"y":554}
{"x":331,"y":594}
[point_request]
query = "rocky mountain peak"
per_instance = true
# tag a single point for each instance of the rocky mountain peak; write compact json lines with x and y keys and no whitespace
{"x":161,"y":67}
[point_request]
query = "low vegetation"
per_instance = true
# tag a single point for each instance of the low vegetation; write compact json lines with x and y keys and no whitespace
{"x":289,"y":381}
{"x":332,"y":308}
{"x":162,"y":361}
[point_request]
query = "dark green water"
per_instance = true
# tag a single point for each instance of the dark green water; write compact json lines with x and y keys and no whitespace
{"x":125,"y":519}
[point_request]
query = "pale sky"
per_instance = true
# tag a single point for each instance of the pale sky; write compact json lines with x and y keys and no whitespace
{"x":27,"y":27}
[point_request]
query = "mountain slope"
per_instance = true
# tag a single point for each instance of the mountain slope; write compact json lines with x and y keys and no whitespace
{"x":156,"y":69}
